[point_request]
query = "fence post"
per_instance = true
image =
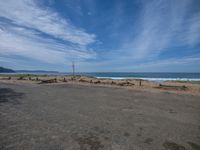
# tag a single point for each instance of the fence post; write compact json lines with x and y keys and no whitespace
{"x":140,"y":82}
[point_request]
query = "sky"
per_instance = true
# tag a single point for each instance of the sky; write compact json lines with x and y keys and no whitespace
{"x":100,"y":35}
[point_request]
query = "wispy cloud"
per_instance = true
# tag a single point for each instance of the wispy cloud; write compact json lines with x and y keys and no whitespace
{"x":126,"y":34}
{"x":27,"y":13}
{"x":192,"y":36}
{"x":39,"y":33}
{"x":163,"y":25}
{"x":171,"y":61}
{"x":165,"y":65}
{"x":19,"y":41}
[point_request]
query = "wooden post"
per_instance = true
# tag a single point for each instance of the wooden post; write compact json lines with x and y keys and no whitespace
{"x":140,"y":82}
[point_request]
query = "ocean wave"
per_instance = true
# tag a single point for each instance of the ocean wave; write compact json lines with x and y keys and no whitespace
{"x":153,"y":79}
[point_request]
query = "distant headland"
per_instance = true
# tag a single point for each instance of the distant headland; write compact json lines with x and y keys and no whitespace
{"x":6,"y":70}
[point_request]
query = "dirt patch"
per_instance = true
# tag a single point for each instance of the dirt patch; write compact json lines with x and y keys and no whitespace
{"x":126,"y":134}
{"x":171,"y":111}
{"x":173,"y":146}
{"x":8,"y":95}
{"x":194,"y":145}
{"x":89,"y":141}
{"x":148,"y":140}
{"x":172,"y":87}
{"x":101,"y":130}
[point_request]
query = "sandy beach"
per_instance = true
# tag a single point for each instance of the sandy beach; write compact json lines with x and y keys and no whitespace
{"x":84,"y":115}
{"x":178,"y":87}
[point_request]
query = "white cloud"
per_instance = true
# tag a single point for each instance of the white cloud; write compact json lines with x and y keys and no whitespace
{"x":21,"y":35}
{"x":171,"y":62}
{"x":163,"y":25}
{"x":27,"y":44}
{"x":28,"y":13}
{"x":167,"y":64}
{"x":193,"y":36}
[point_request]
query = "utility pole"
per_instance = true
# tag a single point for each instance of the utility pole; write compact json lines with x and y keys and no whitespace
{"x":73,"y":68}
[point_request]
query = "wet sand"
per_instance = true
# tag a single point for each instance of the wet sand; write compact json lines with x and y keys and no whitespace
{"x":74,"y":116}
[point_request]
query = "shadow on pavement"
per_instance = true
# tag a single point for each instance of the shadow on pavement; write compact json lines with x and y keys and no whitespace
{"x":8,"y":95}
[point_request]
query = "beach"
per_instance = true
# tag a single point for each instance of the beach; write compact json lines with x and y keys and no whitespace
{"x":77,"y":114}
{"x":171,"y":86}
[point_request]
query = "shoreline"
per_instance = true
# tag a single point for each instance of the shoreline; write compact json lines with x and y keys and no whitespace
{"x":178,"y":87}
{"x":155,"y":79}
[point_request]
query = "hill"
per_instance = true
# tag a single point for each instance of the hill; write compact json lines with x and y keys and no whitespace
{"x":6,"y":70}
{"x":37,"y":71}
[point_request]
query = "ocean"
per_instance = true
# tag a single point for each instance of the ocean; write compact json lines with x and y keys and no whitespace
{"x":146,"y":76}
{"x":131,"y":75}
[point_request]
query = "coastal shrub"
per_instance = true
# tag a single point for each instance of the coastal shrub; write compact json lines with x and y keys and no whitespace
{"x":21,"y":78}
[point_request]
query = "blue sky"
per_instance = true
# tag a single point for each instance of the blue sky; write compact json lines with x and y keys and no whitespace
{"x":100,"y":35}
